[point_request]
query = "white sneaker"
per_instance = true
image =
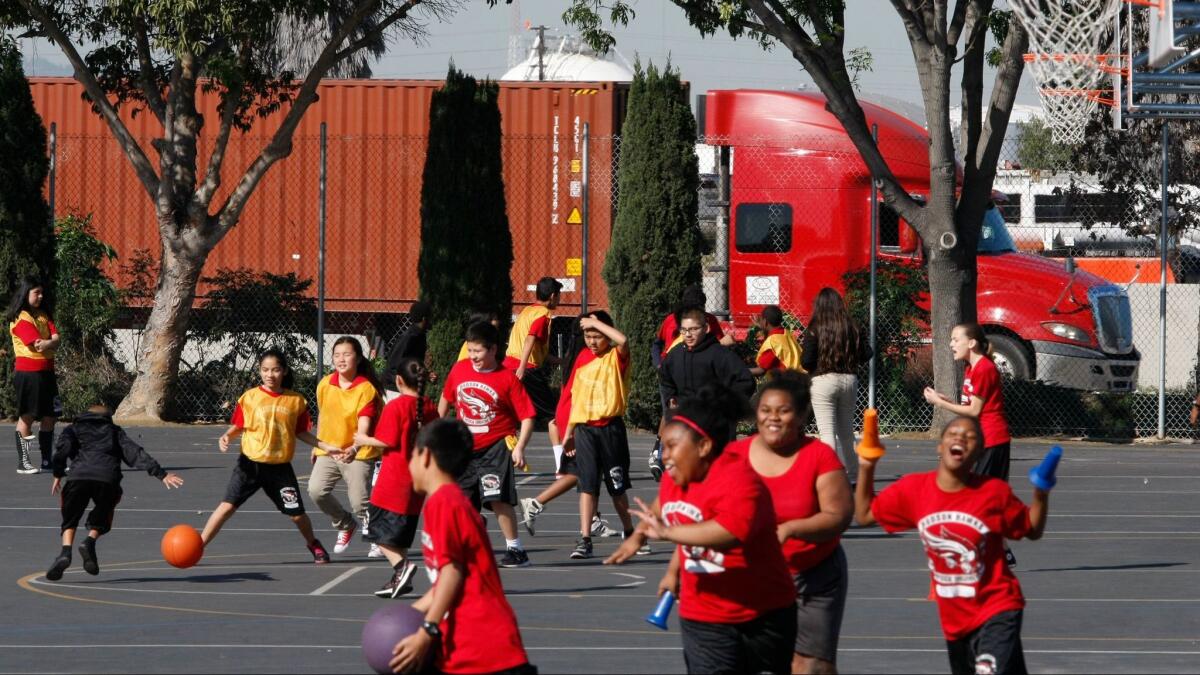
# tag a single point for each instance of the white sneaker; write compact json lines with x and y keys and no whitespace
{"x":530,"y":509}
{"x":375,"y":551}
{"x":343,"y":540}
{"x":600,"y":528}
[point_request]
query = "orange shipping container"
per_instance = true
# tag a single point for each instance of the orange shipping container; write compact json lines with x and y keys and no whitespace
{"x":376,"y":151}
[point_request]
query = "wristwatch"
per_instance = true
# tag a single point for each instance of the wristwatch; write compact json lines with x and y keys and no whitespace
{"x":431,"y":629}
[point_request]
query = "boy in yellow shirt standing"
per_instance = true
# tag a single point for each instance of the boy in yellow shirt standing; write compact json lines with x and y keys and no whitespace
{"x":779,"y":350}
{"x":528,"y":355}
{"x":595,"y":434}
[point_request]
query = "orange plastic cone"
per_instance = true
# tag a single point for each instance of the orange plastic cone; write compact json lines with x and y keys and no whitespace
{"x":870,"y":447}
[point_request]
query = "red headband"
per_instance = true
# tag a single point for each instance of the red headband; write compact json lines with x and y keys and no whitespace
{"x":695,"y":427}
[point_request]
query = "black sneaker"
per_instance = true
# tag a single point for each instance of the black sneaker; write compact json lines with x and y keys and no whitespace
{"x":319,"y":554}
{"x":1009,"y":558}
{"x":583,"y":548}
{"x":87,"y":551}
{"x":399,"y":584}
{"x":62,"y":562}
{"x":656,"y":465}
{"x":515,"y":557}
{"x":24,"y":446}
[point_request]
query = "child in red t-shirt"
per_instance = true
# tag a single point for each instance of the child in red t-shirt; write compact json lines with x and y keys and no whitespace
{"x":813,"y":506}
{"x":394,"y":509}
{"x":468,"y":621}
{"x":737,"y":602}
{"x":963,"y":519}
{"x":493,"y":403}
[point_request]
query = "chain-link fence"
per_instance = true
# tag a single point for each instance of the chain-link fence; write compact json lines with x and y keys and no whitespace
{"x":1068,"y":273}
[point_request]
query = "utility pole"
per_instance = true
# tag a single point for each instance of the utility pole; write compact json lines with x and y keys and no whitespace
{"x":541,"y":51}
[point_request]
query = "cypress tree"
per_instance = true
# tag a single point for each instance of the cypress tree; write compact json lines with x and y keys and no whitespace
{"x":26,"y":233}
{"x":466,"y":246}
{"x":656,"y":242}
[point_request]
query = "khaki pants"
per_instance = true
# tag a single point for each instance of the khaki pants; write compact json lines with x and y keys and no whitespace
{"x":326,"y":473}
{"x":834,"y":397}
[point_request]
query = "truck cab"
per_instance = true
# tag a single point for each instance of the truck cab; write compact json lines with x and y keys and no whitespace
{"x":799,"y":218}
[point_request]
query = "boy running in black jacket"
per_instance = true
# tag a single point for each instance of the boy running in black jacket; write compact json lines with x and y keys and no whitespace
{"x":96,"y":447}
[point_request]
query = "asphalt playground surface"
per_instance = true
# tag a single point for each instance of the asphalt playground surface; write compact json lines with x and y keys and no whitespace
{"x":1111,"y":588}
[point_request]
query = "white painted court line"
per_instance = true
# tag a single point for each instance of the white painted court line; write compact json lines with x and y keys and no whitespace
{"x":337,"y":580}
{"x":571,"y":648}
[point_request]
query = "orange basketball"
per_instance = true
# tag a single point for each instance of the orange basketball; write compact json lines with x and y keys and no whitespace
{"x":182,"y":546}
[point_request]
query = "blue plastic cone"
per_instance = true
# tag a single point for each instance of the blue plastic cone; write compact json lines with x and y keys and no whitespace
{"x":663,"y":612}
{"x":1042,"y":475}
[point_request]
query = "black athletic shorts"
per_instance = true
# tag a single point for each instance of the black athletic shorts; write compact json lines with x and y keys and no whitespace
{"x":762,"y":645}
{"x":391,"y":529}
{"x":277,"y":480}
{"x":489,"y":476}
{"x":77,"y":494}
{"x":992,"y":649}
{"x":602,"y":453}
{"x":820,"y":605}
{"x":35,"y":391}
{"x":994,"y":461}
{"x":523,"y":669}
{"x":543,"y":396}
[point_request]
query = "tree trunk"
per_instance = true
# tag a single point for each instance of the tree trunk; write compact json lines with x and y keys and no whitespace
{"x":165,"y":334}
{"x":952,"y":285}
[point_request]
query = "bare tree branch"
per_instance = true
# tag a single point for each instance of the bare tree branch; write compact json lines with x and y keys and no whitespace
{"x":137,"y":157}
{"x":1004,"y":95}
{"x":972,"y":79}
{"x":914,"y":26}
{"x":212,"y":175}
{"x":280,"y":145}
{"x":150,"y":88}
{"x":820,"y":25}
{"x":958,"y":20}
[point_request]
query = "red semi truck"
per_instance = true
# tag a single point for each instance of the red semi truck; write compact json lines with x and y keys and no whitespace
{"x":799,"y":214}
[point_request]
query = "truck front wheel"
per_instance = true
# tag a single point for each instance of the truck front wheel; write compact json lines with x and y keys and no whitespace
{"x":1011,"y":357}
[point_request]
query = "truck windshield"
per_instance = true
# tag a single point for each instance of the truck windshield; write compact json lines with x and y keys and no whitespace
{"x":994,"y":236}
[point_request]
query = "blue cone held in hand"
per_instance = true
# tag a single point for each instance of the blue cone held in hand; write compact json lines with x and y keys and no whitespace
{"x":663,"y":611}
{"x":1042,"y":475}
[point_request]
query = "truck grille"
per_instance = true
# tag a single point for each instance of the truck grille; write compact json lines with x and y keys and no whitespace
{"x":1114,"y":320}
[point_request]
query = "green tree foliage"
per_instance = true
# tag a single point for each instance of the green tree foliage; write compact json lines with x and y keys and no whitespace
{"x":26,"y":233}
{"x":1037,"y":151}
{"x":85,"y":311}
{"x":656,"y":241}
{"x":466,"y":253}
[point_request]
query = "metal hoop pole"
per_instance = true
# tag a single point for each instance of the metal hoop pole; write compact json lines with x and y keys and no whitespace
{"x":1162,"y":288}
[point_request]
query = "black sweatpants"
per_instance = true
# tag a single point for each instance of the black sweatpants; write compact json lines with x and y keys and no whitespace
{"x":763,"y":645}
{"x":77,"y":494}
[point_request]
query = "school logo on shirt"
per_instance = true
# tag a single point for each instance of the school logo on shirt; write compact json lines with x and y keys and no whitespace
{"x":954,"y":543}
{"x":967,"y":392}
{"x":476,"y":403}
{"x":696,"y":559}
{"x":431,"y":569}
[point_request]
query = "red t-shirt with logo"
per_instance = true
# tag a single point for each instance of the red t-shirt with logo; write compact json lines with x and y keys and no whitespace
{"x":669,"y":330}
{"x":745,"y":581}
{"x":794,"y":496}
{"x":963,"y":533}
{"x":491,"y":404}
{"x":397,"y":427}
{"x":479,"y":633}
{"x":983,"y":381}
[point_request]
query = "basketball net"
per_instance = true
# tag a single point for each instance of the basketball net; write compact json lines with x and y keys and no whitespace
{"x":1064,"y":39}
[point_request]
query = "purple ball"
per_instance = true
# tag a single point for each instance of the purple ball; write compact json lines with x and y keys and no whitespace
{"x":384,"y":629}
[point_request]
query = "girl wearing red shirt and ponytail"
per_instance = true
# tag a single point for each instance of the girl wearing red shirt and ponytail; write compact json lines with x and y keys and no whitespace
{"x":963,"y":519}
{"x":737,"y":601}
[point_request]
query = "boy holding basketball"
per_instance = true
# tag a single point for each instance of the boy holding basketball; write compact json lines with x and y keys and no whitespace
{"x":95,"y":448}
{"x":469,"y":624}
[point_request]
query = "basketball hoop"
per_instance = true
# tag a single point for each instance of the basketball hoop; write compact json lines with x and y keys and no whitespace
{"x":1066,"y":58}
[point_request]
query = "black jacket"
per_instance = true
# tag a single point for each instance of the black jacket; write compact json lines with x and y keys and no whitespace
{"x":685,"y":371}
{"x":96,"y":447}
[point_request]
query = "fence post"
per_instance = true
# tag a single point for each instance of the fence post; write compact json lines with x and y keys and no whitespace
{"x":1162,"y":288}
{"x":874,"y":251}
{"x":587,"y":190}
{"x":321,"y":258}
{"x":721,"y":247}
{"x":53,"y":168}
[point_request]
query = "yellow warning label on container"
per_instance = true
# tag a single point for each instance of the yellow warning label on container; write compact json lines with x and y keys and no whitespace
{"x":576,"y":166}
{"x":574,"y":267}
{"x":575,"y":218}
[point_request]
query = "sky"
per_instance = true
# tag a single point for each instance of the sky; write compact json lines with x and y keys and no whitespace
{"x":476,"y":38}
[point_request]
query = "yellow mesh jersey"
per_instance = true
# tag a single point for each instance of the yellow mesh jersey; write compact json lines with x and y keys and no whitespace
{"x":786,"y":349}
{"x":269,"y":424}
{"x":599,"y":390}
{"x":24,"y":351}
{"x":520,"y":330}
{"x":338,"y":411}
